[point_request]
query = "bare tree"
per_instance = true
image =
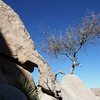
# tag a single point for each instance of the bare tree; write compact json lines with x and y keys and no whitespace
{"x":74,"y":38}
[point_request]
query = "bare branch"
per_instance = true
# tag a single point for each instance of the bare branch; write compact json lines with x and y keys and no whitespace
{"x":53,"y":93}
{"x":58,"y":74}
{"x":75,"y":38}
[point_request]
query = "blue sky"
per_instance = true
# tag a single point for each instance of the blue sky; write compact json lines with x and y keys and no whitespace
{"x":59,"y":14}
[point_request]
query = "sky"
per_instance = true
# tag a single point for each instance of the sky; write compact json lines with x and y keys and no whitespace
{"x":59,"y":14}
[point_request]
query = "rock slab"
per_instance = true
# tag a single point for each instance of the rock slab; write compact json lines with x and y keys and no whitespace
{"x":72,"y":88}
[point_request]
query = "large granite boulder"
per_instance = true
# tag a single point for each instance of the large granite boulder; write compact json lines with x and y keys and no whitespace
{"x":19,"y":43}
{"x":18,"y":55}
{"x":72,"y":88}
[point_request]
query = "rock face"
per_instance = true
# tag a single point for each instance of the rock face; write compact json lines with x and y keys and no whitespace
{"x":18,"y":40}
{"x":72,"y":88}
{"x":18,"y":56}
{"x":96,"y":91}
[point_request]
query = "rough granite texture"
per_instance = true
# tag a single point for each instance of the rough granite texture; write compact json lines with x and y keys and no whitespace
{"x":19,"y":41}
{"x":16,"y":42}
{"x":17,"y":51}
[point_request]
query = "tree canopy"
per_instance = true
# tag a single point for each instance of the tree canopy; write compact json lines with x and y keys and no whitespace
{"x":74,"y":39}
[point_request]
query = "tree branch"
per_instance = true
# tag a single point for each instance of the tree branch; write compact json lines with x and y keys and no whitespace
{"x":51,"y":93}
{"x":57,"y":75}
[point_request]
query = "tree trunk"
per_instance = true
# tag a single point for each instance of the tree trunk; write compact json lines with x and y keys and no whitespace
{"x":72,"y":69}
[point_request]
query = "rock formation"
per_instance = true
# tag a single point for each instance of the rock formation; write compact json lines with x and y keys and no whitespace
{"x":18,"y":56}
{"x":72,"y":88}
{"x":96,"y":91}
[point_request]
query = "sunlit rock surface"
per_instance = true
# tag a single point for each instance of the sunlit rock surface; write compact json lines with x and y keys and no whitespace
{"x":18,"y":55}
{"x":96,"y":91}
{"x":19,"y":42}
{"x":72,"y":88}
{"x":16,"y":42}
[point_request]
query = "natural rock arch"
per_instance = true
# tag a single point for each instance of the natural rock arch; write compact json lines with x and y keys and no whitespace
{"x":18,"y":52}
